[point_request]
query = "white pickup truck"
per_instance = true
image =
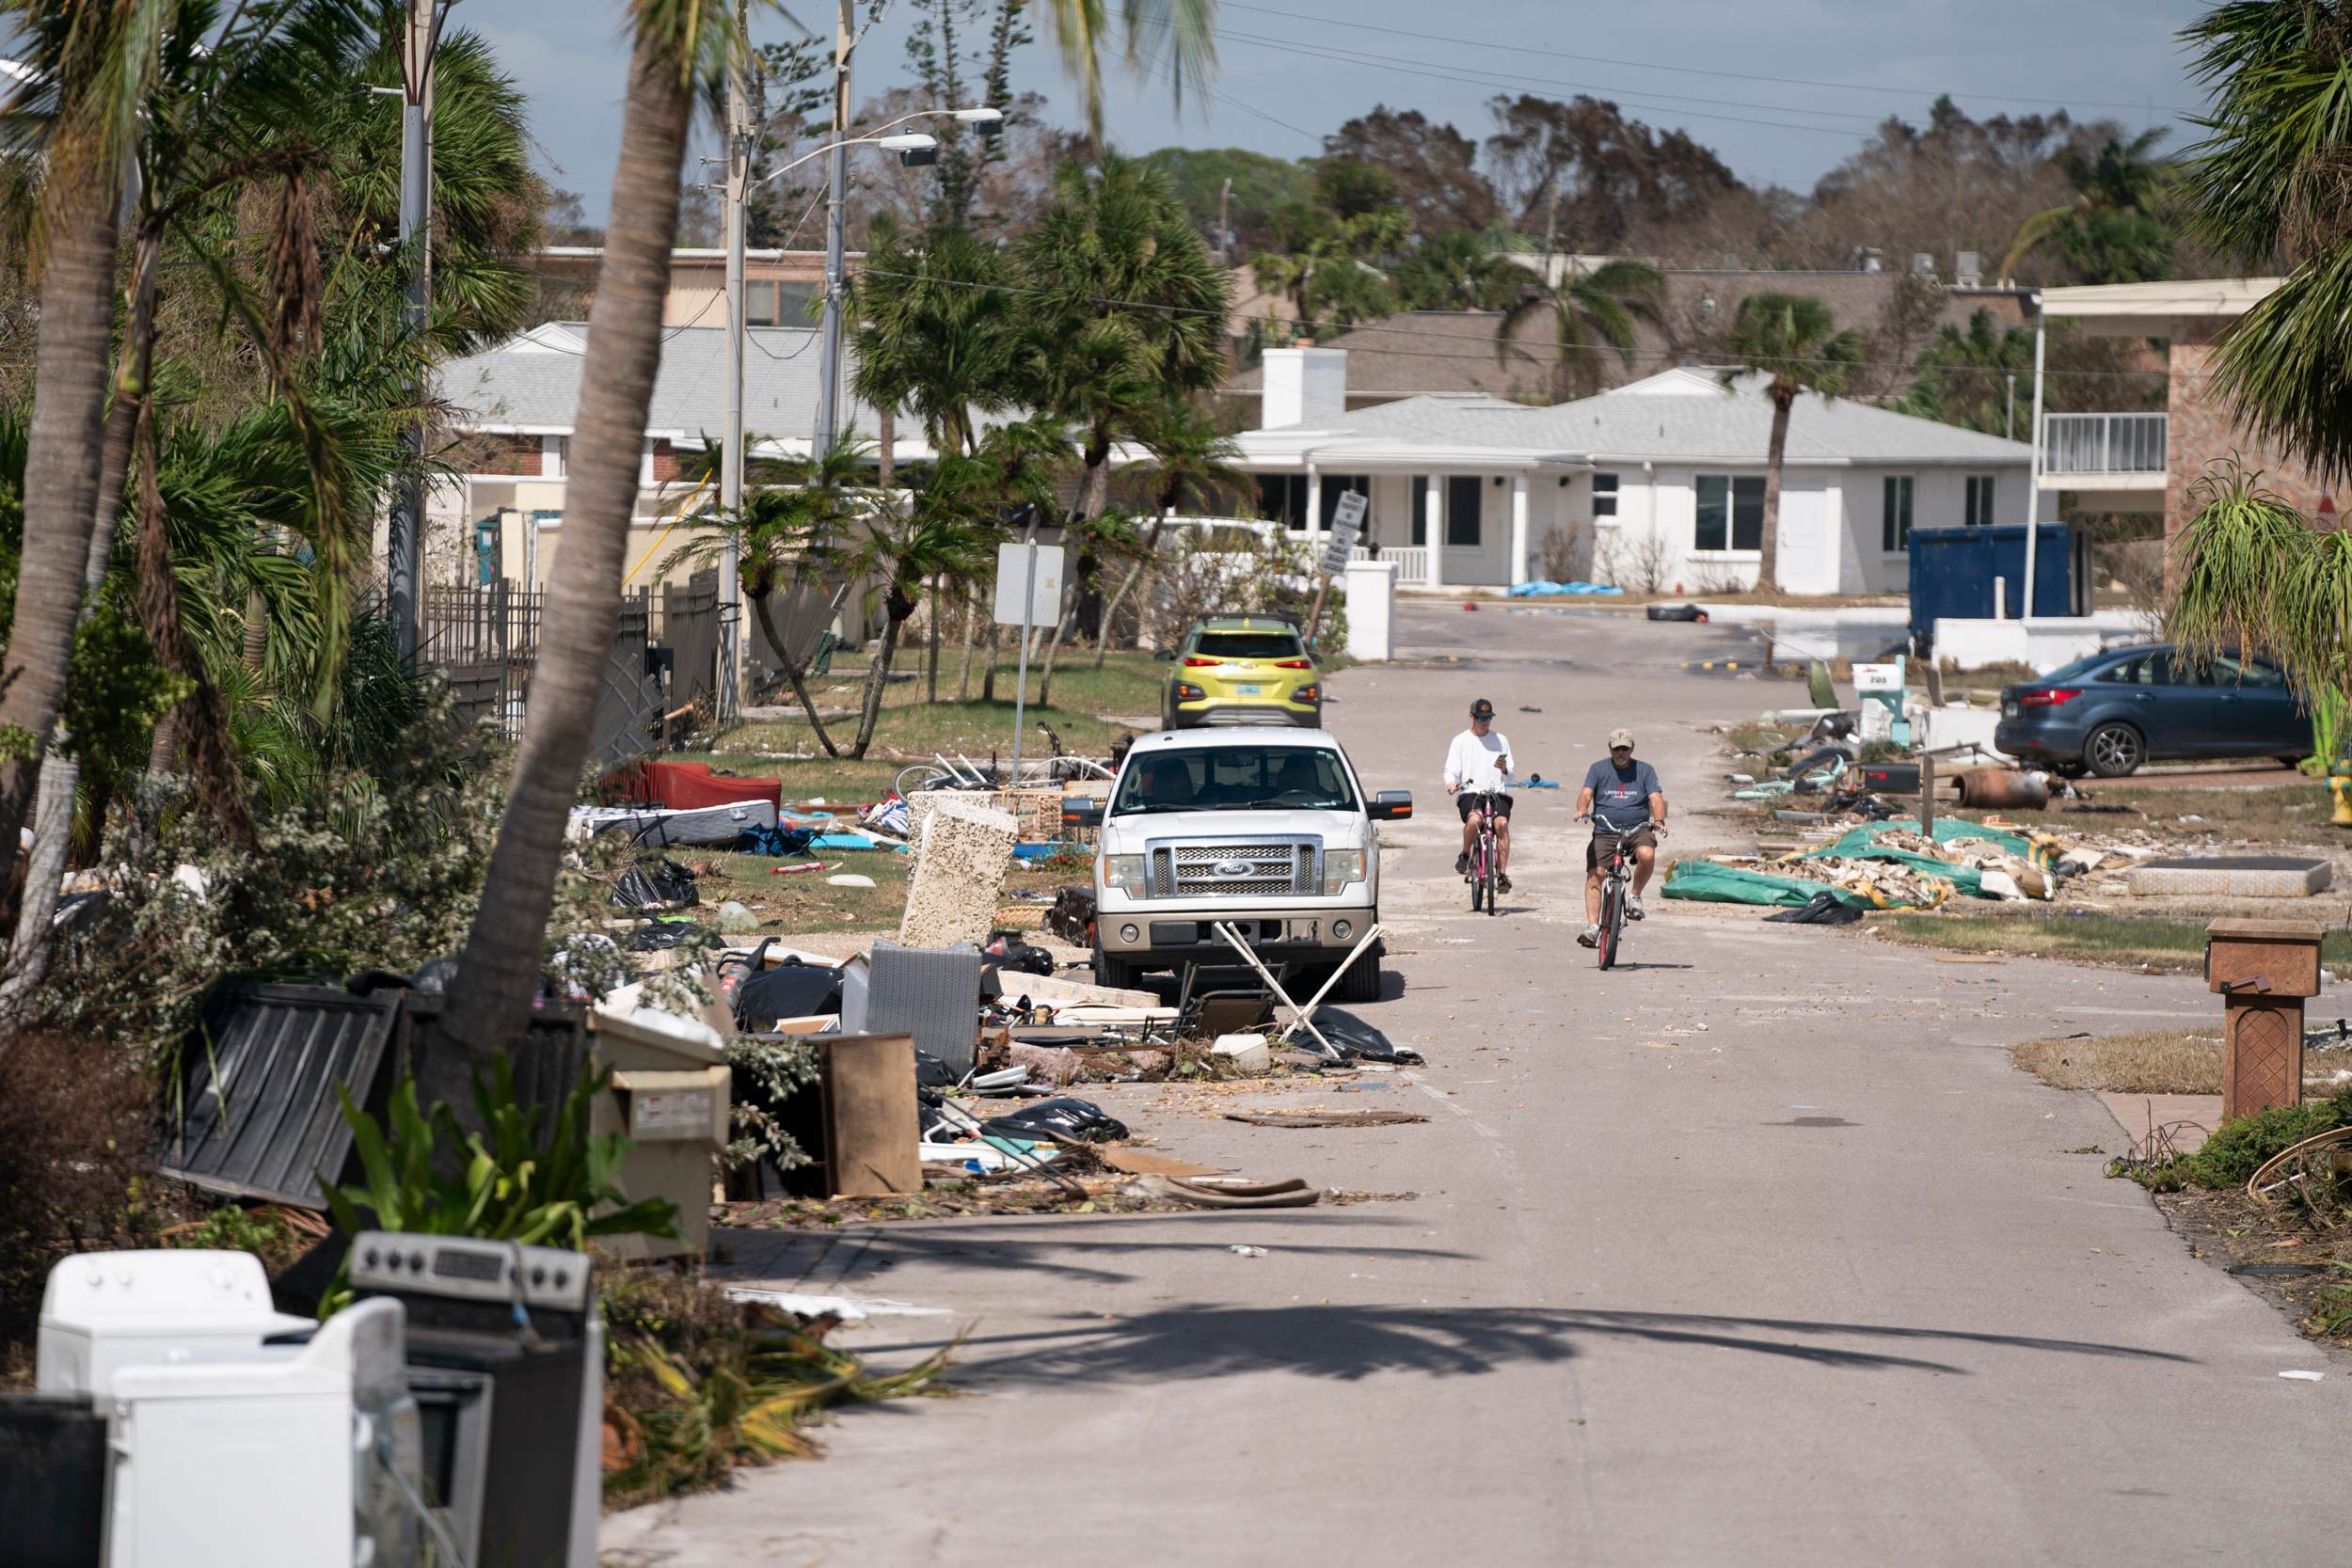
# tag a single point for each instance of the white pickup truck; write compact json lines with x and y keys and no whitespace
{"x":1266,"y":830}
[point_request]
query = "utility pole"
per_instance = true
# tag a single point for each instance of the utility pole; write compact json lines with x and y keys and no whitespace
{"x":404,"y":542}
{"x":2033,"y":469}
{"x":1224,"y":229}
{"x":731,"y":455}
{"x":829,"y":359}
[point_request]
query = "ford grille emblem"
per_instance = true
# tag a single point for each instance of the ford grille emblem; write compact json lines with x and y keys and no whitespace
{"x":1233,"y":868}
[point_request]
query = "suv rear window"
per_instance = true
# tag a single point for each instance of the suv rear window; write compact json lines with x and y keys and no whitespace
{"x":1247,"y":645}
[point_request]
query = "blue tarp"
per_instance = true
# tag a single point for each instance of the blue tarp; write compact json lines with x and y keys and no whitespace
{"x":1539,"y":586}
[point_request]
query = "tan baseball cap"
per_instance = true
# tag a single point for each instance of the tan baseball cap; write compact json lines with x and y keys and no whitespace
{"x":1620,"y":738}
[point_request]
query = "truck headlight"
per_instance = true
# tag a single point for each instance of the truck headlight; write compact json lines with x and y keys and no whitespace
{"x":1124,"y":872}
{"x":1340,"y":868}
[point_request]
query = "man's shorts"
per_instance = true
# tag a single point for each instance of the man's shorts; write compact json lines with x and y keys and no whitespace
{"x":1501,"y":803}
{"x":1604,"y":844}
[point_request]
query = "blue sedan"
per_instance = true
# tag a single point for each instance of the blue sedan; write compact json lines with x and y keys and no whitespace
{"x":2112,"y":711}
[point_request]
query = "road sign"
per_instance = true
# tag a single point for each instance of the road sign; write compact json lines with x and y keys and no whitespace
{"x":1347,"y":521}
{"x":1012,"y":571}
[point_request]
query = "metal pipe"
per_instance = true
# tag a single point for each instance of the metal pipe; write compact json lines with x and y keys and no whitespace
{"x":1233,"y":939}
{"x":2033,"y":481}
{"x":837,"y":182}
{"x":731,"y":455}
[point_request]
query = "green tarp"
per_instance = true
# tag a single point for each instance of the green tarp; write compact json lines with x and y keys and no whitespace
{"x":1709,"y":883}
{"x":1862,"y":840}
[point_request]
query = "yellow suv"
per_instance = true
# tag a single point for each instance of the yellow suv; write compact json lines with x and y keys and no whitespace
{"x":1243,"y":670}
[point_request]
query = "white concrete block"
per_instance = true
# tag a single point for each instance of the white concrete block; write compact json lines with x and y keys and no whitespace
{"x":2044,"y":643}
{"x":952,"y":897}
{"x":1371,"y":610}
{"x":1249,"y":1052}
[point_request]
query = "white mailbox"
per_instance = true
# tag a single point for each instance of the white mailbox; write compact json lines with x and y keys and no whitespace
{"x":1877,"y":677}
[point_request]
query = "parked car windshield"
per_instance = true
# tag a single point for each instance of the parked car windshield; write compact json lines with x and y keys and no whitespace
{"x":1247,"y":645}
{"x":1236,"y":777}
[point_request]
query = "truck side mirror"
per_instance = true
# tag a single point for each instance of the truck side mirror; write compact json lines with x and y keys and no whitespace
{"x":1081,"y":812}
{"x":1391,"y":806}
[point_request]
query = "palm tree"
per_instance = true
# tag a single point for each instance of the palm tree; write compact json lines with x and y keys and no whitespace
{"x":1463,"y":269}
{"x":2269,"y":186}
{"x":74,"y":118}
{"x":947,"y":529}
{"x":792,"y":524}
{"x":1324,"y":264}
{"x":1179,"y":35}
{"x":1794,"y":340}
{"x":935,"y":329}
{"x":681,"y":50}
{"x":2111,"y":231}
{"x":1964,"y":378}
{"x":1588,"y":309}
{"x":1193,"y":460}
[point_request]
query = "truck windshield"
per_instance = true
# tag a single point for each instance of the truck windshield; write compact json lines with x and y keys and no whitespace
{"x":1236,"y":777}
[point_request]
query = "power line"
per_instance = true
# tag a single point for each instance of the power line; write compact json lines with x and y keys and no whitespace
{"x":1649,"y":65}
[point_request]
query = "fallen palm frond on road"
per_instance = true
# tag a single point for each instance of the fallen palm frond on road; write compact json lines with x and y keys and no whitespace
{"x":2157,"y":1062}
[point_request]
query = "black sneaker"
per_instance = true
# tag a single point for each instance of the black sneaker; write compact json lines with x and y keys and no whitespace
{"x":1503,"y":883}
{"x":1461,"y":866}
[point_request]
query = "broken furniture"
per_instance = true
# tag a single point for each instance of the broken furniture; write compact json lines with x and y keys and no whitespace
{"x":691,"y":786}
{"x":2264,"y":969}
{"x":866,"y":1085}
{"x":933,"y":995}
{"x":505,"y":1357}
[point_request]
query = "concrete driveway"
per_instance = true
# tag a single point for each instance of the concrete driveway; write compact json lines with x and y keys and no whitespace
{"x":1756,"y":1252}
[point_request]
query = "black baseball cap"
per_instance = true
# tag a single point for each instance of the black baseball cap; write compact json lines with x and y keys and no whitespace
{"x":1481,"y":709}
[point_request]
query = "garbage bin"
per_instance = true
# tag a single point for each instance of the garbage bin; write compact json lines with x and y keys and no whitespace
{"x":672,"y":1094}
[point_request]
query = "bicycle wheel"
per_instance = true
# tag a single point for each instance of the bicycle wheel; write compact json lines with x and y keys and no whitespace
{"x":921,"y":775}
{"x":1611,"y":920}
{"x":1493,"y":905}
{"x":1478,"y":884}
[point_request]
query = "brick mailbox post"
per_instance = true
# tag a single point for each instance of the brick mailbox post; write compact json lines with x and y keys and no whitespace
{"x":2264,"y":969}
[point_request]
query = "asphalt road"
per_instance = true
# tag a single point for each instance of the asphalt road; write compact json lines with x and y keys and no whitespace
{"x":1758,"y":1252}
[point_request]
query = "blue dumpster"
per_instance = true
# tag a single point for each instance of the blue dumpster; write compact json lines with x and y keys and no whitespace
{"x":1952,"y":571}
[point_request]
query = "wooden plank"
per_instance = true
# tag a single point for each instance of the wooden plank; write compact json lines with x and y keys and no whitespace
{"x":870,"y":1115}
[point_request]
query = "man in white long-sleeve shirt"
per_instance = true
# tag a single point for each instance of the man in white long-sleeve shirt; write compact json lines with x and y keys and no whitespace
{"x":1477,"y":767}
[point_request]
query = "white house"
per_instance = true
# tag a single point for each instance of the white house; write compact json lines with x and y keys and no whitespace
{"x":1662,"y":479}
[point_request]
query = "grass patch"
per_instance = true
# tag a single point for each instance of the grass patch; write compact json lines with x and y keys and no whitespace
{"x":2302,"y":808}
{"x":806,"y":902}
{"x":2160,"y":1061}
{"x":2116,"y":940}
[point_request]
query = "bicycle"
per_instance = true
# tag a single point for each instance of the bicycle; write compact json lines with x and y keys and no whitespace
{"x":1616,"y":883}
{"x":1483,"y":871}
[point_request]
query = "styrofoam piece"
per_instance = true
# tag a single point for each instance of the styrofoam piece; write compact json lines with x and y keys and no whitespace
{"x":2243,"y":876}
{"x":847,"y":1308}
{"x":1250,"y":1052}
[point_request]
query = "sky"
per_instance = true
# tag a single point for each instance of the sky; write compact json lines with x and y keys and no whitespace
{"x":1781,"y":89}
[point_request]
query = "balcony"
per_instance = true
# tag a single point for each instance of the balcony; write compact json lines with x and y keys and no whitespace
{"x":2111,"y":462}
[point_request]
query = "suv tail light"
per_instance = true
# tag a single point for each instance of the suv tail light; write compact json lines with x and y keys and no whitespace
{"x":2058,"y":696}
{"x":1194,"y":662}
{"x":1293,"y":664}
{"x":1307,"y":694}
{"x":1187,"y":692}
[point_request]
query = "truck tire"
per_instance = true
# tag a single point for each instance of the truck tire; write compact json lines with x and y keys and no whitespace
{"x":1118,"y":974}
{"x":1361,"y":983}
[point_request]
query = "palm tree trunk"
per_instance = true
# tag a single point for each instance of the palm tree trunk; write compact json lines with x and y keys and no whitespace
{"x":1061,"y":629}
{"x":971,"y":619}
{"x":897,"y":606}
{"x":1110,"y":610}
{"x":988,"y":677}
{"x":63,"y":454}
{"x":490,"y":1000}
{"x":61,"y":771}
{"x":792,"y":673}
{"x":1768,"y":564}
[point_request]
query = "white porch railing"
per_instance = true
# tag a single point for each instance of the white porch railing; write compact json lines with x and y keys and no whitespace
{"x":2103,"y":443}
{"x":1412,"y":562}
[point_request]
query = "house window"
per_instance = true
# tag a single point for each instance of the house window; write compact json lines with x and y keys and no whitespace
{"x":1731,"y":513}
{"x":1282,"y":498}
{"x":1336,"y":485}
{"x":1420,"y":511}
{"x":1462,"y":493}
{"x":1604,"y":495}
{"x":1895,"y":527}
{"x":1980,"y":500}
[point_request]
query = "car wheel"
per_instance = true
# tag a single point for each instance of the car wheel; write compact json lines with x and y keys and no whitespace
{"x":2114,"y":751}
{"x":1361,"y":983}
{"x":1118,"y":974}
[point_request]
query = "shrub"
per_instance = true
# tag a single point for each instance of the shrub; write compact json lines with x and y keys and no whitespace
{"x":2232,"y":1156}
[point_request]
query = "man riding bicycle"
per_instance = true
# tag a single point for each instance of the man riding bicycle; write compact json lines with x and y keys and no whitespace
{"x":1477,"y":766}
{"x":1623,"y":797}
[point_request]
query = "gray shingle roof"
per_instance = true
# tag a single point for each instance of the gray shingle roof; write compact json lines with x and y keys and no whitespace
{"x":1677,"y":415}
{"x":532,"y":382}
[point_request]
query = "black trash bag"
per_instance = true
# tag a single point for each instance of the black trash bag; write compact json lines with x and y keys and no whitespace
{"x":1352,"y":1038}
{"x":929,"y":1073}
{"x":656,"y":884}
{"x":1072,"y":918}
{"x":1063,"y":1118}
{"x":1826,"y":908}
{"x":662,"y":935}
{"x":1014,"y":956}
{"x":1834,"y":726}
{"x":790,"y":990}
{"x":1676,"y":612}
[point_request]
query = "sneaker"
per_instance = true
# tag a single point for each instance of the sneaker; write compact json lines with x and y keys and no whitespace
{"x":1633,"y":909}
{"x":1591,"y":937}
{"x":1461,"y":866}
{"x":1503,"y":883}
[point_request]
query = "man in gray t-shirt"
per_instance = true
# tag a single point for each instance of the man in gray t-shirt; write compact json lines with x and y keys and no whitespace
{"x":1623,"y":797}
